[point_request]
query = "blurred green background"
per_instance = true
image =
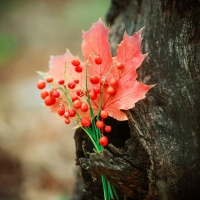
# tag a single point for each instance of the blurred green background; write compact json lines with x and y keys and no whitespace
{"x":37,"y":151}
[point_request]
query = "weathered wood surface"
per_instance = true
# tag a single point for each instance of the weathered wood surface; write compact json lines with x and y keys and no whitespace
{"x":159,"y":157}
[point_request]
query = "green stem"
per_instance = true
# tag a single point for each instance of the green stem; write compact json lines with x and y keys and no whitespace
{"x":93,"y":132}
{"x":88,"y":98}
{"x":89,"y":133}
{"x":105,"y":192}
{"x":115,"y":193}
{"x":109,"y":189}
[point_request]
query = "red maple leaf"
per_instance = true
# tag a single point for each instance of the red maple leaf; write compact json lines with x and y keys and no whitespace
{"x":95,"y":43}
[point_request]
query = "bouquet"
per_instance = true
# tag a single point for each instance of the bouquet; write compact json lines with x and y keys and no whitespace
{"x":101,"y":86}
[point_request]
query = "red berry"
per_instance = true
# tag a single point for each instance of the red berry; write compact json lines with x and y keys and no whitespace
{"x":99,"y":124}
{"x":41,"y":84}
{"x":61,"y":82}
{"x":76,"y":81}
{"x":119,"y":65}
{"x":78,"y":69}
{"x":84,"y":107}
{"x":67,"y":121}
{"x":61,"y":111}
{"x":71,"y":112}
{"x":93,"y":95}
{"x":55,"y":94}
{"x":85,"y":122}
{"x":110,"y":90}
{"x":74,"y":99}
{"x":107,"y":129}
{"x":71,"y":85}
{"x":94,"y":79}
{"x":103,"y":114}
{"x":79,"y":93}
{"x":113,"y":82}
{"x":98,"y":60}
{"x":53,"y":100}
{"x":49,"y":79}
{"x":97,"y":90}
{"x":77,"y":104}
{"x":66,"y":115}
{"x":51,"y":92}
{"x":44,"y":94}
{"x":103,"y":141}
{"x":49,"y":101}
{"x":75,"y":62}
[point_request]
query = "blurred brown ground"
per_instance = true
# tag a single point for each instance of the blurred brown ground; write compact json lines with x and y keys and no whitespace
{"x":37,"y":149}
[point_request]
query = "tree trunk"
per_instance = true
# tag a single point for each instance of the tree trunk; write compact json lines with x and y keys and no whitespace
{"x":156,"y":154}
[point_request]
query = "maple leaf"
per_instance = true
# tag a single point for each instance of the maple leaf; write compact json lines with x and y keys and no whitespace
{"x":95,"y":44}
{"x":128,"y":89}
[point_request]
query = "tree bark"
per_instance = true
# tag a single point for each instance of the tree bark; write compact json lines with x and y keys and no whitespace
{"x":156,"y":154}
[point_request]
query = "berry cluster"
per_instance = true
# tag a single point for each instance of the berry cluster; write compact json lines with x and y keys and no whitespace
{"x":77,"y":105}
{"x":53,"y":97}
